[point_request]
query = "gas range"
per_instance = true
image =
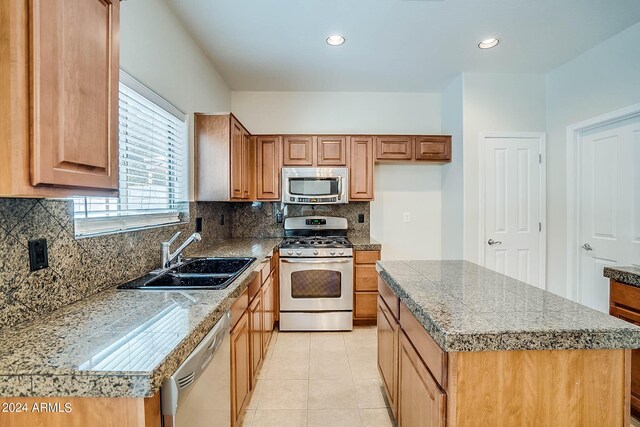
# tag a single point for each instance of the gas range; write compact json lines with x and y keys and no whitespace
{"x":314,"y":236}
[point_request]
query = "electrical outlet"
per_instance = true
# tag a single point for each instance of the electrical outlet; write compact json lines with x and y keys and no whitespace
{"x":279,"y":218}
{"x":221,"y":219}
{"x":361,"y":218}
{"x":38,"y":254}
{"x":198,"y":225}
{"x":406,"y":217}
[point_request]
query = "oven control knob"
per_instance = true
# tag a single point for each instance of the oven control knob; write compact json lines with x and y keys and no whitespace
{"x":290,"y":252}
{"x":298,"y":252}
{"x":315,"y":252}
{"x":332,"y":252}
{"x":341,"y":252}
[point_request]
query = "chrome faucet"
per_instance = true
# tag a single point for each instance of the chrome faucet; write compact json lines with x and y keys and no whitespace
{"x":168,"y":257}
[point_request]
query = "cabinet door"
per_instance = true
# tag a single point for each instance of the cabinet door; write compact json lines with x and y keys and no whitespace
{"x":361,"y":168}
{"x":421,"y":402}
{"x":332,"y":150}
{"x":388,"y":353}
{"x":236,"y":160}
{"x":240,"y":367}
{"x":437,"y":148}
{"x":247,"y":159}
{"x":255,"y":329}
{"x":298,"y":150}
{"x":394,"y":148}
{"x":267,"y":302}
{"x":74,"y":68}
{"x":269,"y":167}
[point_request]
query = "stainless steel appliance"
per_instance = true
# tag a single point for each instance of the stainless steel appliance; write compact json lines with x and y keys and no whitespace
{"x":315,"y":186}
{"x":198,"y":394}
{"x":316,"y":275}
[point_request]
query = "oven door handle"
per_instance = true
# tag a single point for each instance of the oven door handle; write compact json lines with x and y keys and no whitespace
{"x":328,"y":261}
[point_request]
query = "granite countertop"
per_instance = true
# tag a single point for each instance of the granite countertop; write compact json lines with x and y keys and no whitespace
{"x":628,"y":275}
{"x":466,"y":307}
{"x":365,"y":244}
{"x":89,"y":349}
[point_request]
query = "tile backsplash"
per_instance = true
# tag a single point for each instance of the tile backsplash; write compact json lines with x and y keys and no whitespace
{"x":260,"y":221}
{"x":78,"y":268}
{"x":81,"y":267}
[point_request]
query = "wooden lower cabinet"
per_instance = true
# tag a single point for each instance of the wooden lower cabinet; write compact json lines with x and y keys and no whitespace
{"x":269,"y":312}
{"x":240,"y":368}
{"x":365,"y":279}
{"x":421,"y":402}
{"x":256,"y":328}
{"x":388,"y":329}
{"x":624,"y":303}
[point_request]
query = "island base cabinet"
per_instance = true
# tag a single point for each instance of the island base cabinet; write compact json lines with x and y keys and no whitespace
{"x":421,"y":402}
{"x":388,"y":328}
{"x":585,"y":388}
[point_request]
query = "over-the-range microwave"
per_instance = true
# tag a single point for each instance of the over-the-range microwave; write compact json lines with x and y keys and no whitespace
{"x":315,"y":186}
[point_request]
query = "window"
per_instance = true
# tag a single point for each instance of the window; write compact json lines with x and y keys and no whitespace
{"x":153,"y":166}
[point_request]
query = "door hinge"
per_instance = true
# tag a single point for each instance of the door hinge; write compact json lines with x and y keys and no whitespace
{"x":539,"y":226}
{"x":540,"y":158}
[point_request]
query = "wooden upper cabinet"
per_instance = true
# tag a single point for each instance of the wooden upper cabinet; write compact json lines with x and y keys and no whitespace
{"x":433,"y":148}
{"x":236,"y":160}
{"x":59,"y":97}
{"x":332,"y":150}
{"x":269,"y":163}
{"x":298,"y":150}
{"x":361,"y":168}
{"x":394,"y":147}
{"x":224,"y":164}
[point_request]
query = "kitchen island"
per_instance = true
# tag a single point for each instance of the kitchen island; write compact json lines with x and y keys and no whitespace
{"x":461,"y":345}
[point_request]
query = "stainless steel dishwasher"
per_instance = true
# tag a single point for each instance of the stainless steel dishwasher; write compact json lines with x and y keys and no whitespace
{"x":198,"y":394}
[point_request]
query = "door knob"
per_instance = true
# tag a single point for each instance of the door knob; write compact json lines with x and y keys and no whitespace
{"x":494,"y":242}
{"x":587,"y":247}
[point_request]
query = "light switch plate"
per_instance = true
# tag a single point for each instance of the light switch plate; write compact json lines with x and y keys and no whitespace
{"x":406,"y":217}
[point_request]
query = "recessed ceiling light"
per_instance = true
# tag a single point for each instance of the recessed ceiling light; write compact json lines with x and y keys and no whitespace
{"x":488,"y":43}
{"x":335,"y":40}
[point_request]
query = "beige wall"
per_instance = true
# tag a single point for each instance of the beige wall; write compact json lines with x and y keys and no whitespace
{"x":399,"y":188}
{"x":158,"y":51}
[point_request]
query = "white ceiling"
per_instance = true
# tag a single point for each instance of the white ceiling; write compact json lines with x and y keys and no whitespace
{"x":392,"y":45}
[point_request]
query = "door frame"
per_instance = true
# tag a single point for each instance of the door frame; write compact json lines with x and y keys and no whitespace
{"x":574,"y":152}
{"x":542,"y":141}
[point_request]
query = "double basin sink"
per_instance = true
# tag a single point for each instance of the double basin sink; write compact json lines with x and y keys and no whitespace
{"x":195,"y":273}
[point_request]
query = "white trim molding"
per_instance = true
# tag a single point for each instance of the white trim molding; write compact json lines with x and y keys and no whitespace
{"x":574,"y":140}
{"x":542,"y":137}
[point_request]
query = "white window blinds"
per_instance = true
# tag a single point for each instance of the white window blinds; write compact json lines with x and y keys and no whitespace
{"x":152,"y":170}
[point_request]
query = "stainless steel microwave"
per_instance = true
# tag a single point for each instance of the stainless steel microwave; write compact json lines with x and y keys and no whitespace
{"x":315,"y":186}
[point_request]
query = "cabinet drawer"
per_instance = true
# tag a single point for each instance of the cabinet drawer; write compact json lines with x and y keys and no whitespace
{"x":366,"y":306}
{"x":434,"y":357}
{"x":265,"y":270}
{"x":625,"y":295}
{"x":366,"y":257}
{"x":239,"y":307}
{"x":254,"y":287}
{"x":389,"y":298}
{"x":366,"y":278}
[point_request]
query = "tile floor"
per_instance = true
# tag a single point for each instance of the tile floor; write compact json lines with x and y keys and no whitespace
{"x":320,"y":379}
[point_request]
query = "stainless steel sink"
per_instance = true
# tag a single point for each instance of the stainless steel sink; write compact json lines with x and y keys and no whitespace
{"x":194,"y":273}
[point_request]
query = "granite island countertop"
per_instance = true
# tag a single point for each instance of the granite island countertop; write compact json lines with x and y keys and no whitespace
{"x":92,"y":347}
{"x":466,"y":307}
{"x":629,"y":275}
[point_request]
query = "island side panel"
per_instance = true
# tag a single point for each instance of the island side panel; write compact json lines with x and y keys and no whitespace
{"x":550,"y":387}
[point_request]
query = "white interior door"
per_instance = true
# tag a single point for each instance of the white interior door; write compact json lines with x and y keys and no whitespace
{"x":609,"y":206}
{"x":513,"y":206}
